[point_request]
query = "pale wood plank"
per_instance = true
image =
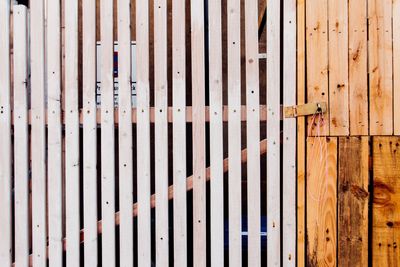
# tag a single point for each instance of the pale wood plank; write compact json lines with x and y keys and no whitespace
{"x":317,"y":60}
{"x":386,"y":201}
{"x":199,"y":149}
{"x":353,"y":198}
{"x":289,"y":136}
{"x":321,"y":201}
{"x":89,"y":133}
{"x":125,"y":134}
{"x":54,"y":167}
{"x":21,"y":150}
{"x":396,"y":65}
{"x":72,"y":220}
{"x":380,"y":67}
{"x":39,"y":238}
{"x":338,"y":67}
{"x":216,"y":134}
{"x":358,"y":68}
{"x":273,"y":133}
{"x":143,"y":133}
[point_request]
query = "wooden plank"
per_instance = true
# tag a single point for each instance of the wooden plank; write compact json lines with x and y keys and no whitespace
{"x":338,"y":67}
{"x":125,"y":134}
{"x":353,"y":200}
{"x":380,"y":67}
{"x":107,"y":133}
{"x":89,"y":133}
{"x":39,"y":238}
{"x":198,"y":126}
{"x":273,"y":133}
{"x":216,"y":134}
{"x":72,"y":220}
{"x":179,"y":132}
{"x":321,"y":201}
{"x":161,"y":130}
{"x":358,"y":69}
{"x":317,"y":61}
{"x":54,"y":168}
{"x":143,"y":133}
{"x":396,"y":65}
{"x":289,"y":136}
{"x":21,"y":150}
{"x":386,"y":199}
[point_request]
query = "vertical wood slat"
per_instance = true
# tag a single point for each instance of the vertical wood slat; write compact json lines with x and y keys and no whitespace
{"x":321,"y":201}
{"x":107,"y":133}
{"x":21,"y":150}
{"x":396,"y":65}
{"x":179,"y":132}
{"x":289,"y":136}
{"x":161,"y":130}
{"x":353,"y":199}
{"x":199,"y":149}
{"x":55,"y":196}
{"x":234,"y":134}
{"x":338,"y":67}
{"x":273,"y":133}
{"x":358,"y":69}
{"x":72,"y":176}
{"x":39,"y":237}
{"x":89,"y":133}
{"x":125,"y":134}
{"x":317,"y":60}
{"x":143,"y":133}
{"x":386,"y":199}
{"x":216,"y":135}
{"x":380,"y":67}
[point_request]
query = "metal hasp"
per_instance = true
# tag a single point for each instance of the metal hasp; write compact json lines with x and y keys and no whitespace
{"x":304,"y":110}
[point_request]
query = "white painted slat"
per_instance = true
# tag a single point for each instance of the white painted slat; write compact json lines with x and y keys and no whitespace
{"x":107,"y":133}
{"x":289,"y":136}
{"x":143,"y":133}
{"x":253,"y":134}
{"x":21,"y":169}
{"x":179,"y":132}
{"x":161,"y":130}
{"x":234,"y":135}
{"x":39,"y":238}
{"x":199,"y":149}
{"x":125,"y":134}
{"x":89,"y":133}
{"x":55,"y":195}
{"x":273,"y":132}
{"x":216,"y":134}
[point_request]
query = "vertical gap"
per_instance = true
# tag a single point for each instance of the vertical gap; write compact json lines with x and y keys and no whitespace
{"x":370,"y":201}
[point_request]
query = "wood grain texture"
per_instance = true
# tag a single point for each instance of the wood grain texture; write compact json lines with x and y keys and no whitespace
{"x":396,"y":66}
{"x":358,"y":68}
{"x":321,"y":201}
{"x":380,"y":67}
{"x":353,"y":198}
{"x":386,"y":201}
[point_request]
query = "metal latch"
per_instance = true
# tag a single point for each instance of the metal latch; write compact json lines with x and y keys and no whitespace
{"x":304,"y":110}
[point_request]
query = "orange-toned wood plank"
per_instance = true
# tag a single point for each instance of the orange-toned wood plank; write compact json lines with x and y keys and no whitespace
{"x":396,"y":65}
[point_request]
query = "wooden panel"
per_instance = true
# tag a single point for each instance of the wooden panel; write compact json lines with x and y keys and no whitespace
{"x":125,"y":134}
{"x":179,"y":132}
{"x":358,"y":69}
{"x":21,"y":150}
{"x":317,"y":61}
{"x":396,"y":65}
{"x":353,"y":200}
{"x":55,"y":195}
{"x":321,"y":201}
{"x":386,"y":202}
{"x":380,"y":67}
{"x":89,"y":134}
{"x":273,"y":133}
{"x":39,"y":238}
{"x":72,"y":220}
{"x":338,"y":67}
{"x":143,"y":133}
{"x":216,"y":134}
